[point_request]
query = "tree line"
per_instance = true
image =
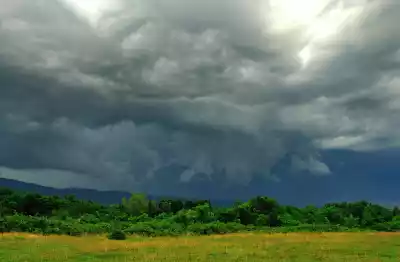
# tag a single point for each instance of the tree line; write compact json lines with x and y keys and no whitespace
{"x":35,"y":213}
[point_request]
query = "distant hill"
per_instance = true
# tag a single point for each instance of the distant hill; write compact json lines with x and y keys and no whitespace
{"x":103,"y":197}
{"x":371,"y":176}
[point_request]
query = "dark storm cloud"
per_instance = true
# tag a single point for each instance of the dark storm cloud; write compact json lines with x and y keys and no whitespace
{"x":212,"y":87}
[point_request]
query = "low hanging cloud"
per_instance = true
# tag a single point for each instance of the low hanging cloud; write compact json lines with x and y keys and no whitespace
{"x":115,"y":91}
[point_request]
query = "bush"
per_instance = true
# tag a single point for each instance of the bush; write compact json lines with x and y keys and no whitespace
{"x":155,"y":228}
{"x":141,"y":228}
{"x":217,"y":228}
{"x":392,"y":226}
{"x":199,"y":229}
{"x":117,"y":235}
{"x":3,"y":225}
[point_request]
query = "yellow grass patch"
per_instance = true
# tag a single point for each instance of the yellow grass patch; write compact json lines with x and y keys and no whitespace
{"x":302,"y":247}
{"x":23,"y":235}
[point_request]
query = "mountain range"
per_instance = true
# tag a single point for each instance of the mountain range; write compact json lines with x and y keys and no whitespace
{"x":371,"y":176}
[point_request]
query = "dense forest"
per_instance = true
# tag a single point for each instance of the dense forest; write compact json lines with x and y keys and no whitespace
{"x":30,"y":212}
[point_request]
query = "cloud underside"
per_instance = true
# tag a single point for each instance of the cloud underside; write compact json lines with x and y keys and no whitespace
{"x":115,"y":91}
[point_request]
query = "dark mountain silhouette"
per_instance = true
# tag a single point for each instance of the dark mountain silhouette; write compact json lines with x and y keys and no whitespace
{"x":104,"y":197}
{"x":371,"y":176}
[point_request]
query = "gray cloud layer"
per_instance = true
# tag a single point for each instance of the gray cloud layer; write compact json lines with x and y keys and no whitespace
{"x":217,"y":87}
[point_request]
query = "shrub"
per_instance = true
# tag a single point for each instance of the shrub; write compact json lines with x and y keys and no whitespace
{"x":3,"y":225}
{"x":141,"y":228}
{"x":117,"y":235}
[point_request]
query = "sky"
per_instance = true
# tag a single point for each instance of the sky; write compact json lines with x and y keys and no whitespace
{"x":136,"y":94}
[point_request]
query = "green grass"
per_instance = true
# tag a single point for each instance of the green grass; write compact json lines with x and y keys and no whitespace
{"x":302,"y":247}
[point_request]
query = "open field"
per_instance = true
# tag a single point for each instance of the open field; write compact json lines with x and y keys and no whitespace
{"x":305,"y":247}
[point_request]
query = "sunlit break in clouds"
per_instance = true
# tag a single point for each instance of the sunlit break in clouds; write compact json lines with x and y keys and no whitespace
{"x":154,"y":95}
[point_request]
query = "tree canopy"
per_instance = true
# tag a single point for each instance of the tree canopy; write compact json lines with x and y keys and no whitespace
{"x":30,"y":212}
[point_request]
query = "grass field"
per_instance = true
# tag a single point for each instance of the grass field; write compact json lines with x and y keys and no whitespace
{"x":255,"y":247}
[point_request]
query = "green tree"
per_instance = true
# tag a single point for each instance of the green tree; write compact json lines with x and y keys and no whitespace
{"x":165,"y":206}
{"x":204,"y":213}
{"x":136,"y":205}
{"x":351,"y":221}
{"x":246,"y":215}
{"x":3,"y":224}
{"x":263,"y":205}
{"x":43,"y":225}
{"x":396,"y":211}
{"x":288,"y":220}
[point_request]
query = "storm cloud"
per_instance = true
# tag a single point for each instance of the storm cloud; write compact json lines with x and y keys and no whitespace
{"x":110,"y":92}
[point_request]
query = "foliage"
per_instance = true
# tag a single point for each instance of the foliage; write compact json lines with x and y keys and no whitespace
{"x":117,"y":235}
{"x":28,"y":212}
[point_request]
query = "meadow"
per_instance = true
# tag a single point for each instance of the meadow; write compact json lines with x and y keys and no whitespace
{"x":302,"y":247}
